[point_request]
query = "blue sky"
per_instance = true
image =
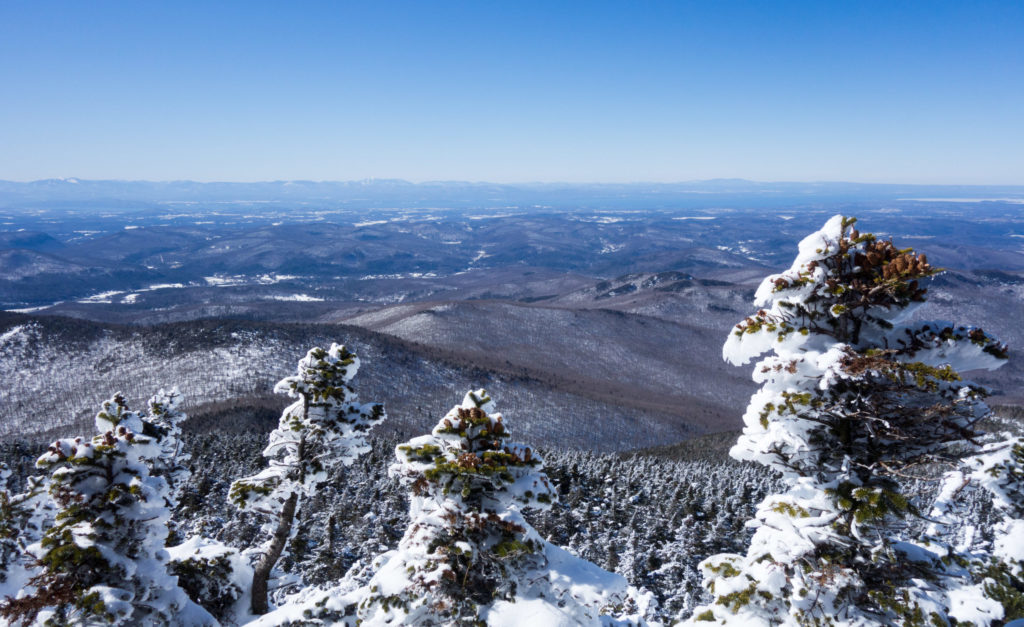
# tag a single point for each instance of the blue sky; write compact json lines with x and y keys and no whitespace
{"x":922,"y":92}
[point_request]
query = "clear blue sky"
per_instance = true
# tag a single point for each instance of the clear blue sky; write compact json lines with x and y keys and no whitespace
{"x":893,"y":91}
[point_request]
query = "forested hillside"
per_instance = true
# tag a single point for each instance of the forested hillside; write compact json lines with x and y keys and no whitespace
{"x":56,"y":370}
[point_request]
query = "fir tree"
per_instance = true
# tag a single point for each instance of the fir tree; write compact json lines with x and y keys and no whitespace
{"x":103,"y":560}
{"x":23,"y":519}
{"x":852,"y":399}
{"x":469,"y":556}
{"x":165,"y":417}
{"x":9,"y":527}
{"x":324,"y":428}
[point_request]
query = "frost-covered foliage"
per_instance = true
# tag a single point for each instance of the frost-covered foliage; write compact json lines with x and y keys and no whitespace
{"x":166,"y":416}
{"x":646,"y":518}
{"x":852,"y":400}
{"x":213,"y":575}
{"x":103,"y":561}
{"x":998,"y":468}
{"x":324,"y":428}
{"x":23,"y":518}
{"x":468,"y":554}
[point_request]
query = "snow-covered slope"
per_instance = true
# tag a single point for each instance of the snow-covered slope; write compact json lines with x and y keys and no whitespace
{"x":57,"y":370}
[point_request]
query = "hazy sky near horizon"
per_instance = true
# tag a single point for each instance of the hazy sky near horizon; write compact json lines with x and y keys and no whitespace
{"x":915,"y":92}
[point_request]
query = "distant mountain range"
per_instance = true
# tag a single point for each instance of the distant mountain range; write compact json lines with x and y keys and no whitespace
{"x":461,"y":194}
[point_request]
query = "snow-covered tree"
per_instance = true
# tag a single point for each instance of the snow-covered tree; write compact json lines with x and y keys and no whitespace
{"x":214,"y":576}
{"x":165,"y":416}
{"x":468,"y":555}
{"x":325,"y":427}
{"x":999,"y":469}
{"x":853,"y":397}
{"x":23,"y":519}
{"x":103,"y":561}
{"x":677,"y":568}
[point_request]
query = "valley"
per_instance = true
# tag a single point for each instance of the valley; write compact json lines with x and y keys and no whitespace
{"x":599,"y":322}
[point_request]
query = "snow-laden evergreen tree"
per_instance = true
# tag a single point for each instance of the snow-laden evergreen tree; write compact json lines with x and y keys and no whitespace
{"x":23,"y":519}
{"x":166,"y":416}
{"x":677,"y":568}
{"x":853,"y":396}
{"x":324,"y":428}
{"x":11,"y":514}
{"x":468,"y":555}
{"x":215,"y":576}
{"x":998,"y":589}
{"x":103,"y":561}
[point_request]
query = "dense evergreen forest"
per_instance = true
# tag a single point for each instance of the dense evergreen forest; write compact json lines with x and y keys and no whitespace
{"x":650,"y":519}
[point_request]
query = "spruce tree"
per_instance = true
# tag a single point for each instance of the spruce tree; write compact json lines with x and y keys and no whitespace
{"x":103,"y":560}
{"x":468,"y":556}
{"x":24,"y":517}
{"x":853,"y":399}
{"x":324,"y":428}
{"x":165,"y":417}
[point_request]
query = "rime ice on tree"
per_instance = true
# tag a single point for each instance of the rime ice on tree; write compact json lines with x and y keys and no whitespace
{"x":23,"y":519}
{"x":468,"y":554}
{"x":998,"y":468}
{"x":851,"y":398}
{"x":325,"y":427}
{"x":165,"y":416}
{"x":104,"y":559}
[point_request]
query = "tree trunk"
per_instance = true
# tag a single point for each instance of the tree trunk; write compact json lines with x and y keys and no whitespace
{"x":261,"y":573}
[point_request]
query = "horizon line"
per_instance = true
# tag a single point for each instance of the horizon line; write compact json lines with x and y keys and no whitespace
{"x":525,"y":183}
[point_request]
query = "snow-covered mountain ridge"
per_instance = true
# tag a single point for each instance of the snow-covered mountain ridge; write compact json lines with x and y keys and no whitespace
{"x":57,"y":369}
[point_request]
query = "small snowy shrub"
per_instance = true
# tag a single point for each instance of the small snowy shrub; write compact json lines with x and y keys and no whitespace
{"x":208,"y":581}
{"x":213,"y":575}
